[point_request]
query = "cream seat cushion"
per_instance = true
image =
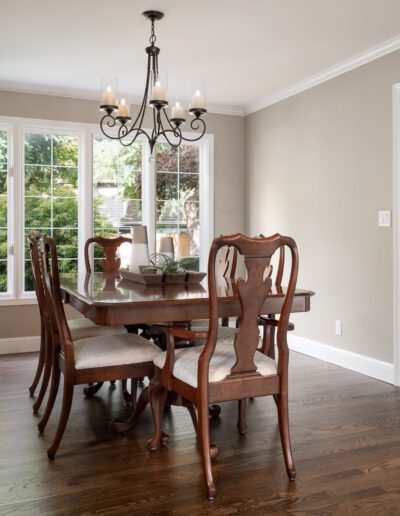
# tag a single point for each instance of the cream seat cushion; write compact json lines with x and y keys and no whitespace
{"x":113,"y":350}
{"x":83,"y":328}
{"x":221,"y":363}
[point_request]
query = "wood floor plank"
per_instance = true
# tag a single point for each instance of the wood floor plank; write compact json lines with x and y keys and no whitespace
{"x":345,"y":436}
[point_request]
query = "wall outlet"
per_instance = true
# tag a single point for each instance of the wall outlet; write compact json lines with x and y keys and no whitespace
{"x":338,"y":328}
{"x":384,"y":219}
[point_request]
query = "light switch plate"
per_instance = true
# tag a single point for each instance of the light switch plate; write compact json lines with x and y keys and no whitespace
{"x":384,"y":219}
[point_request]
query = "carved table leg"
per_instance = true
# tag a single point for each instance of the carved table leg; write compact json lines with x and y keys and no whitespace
{"x":125,"y":425}
{"x":214,"y":411}
{"x":91,"y":389}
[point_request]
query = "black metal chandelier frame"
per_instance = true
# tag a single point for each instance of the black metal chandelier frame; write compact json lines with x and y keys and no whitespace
{"x":169,"y":128}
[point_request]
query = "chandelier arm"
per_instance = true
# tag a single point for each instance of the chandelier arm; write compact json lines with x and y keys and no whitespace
{"x":142,"y":109}
{"x":164,"y":133}
{"x":176,"y":132}
{"x":110,"y":123}
{"x":139,"y":131}
{"x":195,"y":125}
{"x":168,"y":120}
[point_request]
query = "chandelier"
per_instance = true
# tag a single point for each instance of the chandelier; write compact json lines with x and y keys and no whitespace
{"x":118,"y":124}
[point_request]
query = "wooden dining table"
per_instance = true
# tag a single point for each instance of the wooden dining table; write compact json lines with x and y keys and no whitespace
{"x":111,"y":300}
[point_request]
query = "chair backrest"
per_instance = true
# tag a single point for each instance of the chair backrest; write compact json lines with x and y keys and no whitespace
{"x":252,"y":293}
{"x":227,"y":261}
{"x":52,"y":292}
{"x":110,"y":264}
{"x":33,"y":241}
{"x":281,"y":266}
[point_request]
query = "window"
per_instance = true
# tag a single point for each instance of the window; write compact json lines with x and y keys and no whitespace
{"x":51,"y":196}
{"x":177,"y":196}
{"x":3,"y":211}
{"x":68,"y":181}
{"x":117,"y":190}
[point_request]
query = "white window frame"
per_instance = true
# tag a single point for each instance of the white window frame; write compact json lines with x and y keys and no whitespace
{"x":17,"y":127}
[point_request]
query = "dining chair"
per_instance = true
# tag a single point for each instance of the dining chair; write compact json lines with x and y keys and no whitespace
{"x":110,"y":265}
{"x":225,"y":369}
{"x":80,"y":328}
{"x":95,"y":359}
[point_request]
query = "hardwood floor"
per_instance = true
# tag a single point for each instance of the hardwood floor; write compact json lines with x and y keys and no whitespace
{"x":346,"y":446}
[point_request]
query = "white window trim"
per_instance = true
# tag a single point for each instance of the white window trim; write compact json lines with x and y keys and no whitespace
{"x":16,"y":128}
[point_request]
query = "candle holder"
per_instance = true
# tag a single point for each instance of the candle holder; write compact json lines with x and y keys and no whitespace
{"x":178,"y":121}
{"x":158,"y":104}
{"x":123,"y":119}
{"x":197,"y":112}
{"x":108,"y":109}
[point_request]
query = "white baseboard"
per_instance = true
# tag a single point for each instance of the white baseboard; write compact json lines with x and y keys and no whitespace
{"x":359,"y":363}
{"x":19,"y":345}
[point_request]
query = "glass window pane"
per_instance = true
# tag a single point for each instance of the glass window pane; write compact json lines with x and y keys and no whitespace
{"x":65,"y":213}
{"x":167,"y":186}
{"x":3,"y":181}
{"x":117,"y":186}
{"x":37,"y":212}
{"x":37,"y":180}
{"x":189,"y":186}
{"x":68,"y":265}
{"x":65,"y":151}
{"x":189,"y":158}
{"x":65,"y":181}
{"x":28,"y":284}
{"x":166,"y":158}
{"x":168,"y":211}
{"x":37,"y":149}
{"x":66,"y":242}
{"x":3,"y":244}
{"x":3,"y":276}
{"x":3,"y":149}
{"x":51,"y":190}
{"x":177,"y":203}
{"x":3,"y":211}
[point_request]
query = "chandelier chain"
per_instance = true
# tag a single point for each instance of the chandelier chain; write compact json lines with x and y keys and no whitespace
{"x":153,"y":37}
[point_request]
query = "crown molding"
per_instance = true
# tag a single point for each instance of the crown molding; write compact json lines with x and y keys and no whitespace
{"x":347,"y":65}
{"x":37,"y":89}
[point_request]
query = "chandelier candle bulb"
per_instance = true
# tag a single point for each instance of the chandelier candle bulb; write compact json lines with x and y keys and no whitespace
{"x":123,"y":109}
{"x":158,"y":92}
{"x":198,"y":101}
{"x":108,"y":97}
{"x":177,"y":111}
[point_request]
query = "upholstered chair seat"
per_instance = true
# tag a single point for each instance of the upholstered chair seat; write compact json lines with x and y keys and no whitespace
{"x":113,"y":350}
{"x":222,"y":361}
{"x":83,"y":328}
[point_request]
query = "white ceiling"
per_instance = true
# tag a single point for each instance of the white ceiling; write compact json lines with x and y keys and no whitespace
{"x":244,"y":50}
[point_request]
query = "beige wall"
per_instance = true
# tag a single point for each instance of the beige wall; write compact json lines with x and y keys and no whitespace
{"x":319,"y":167}
{"x":228,"y":173}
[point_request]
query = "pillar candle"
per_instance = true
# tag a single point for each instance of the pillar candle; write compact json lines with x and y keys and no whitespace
{"x":108,"y":97}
